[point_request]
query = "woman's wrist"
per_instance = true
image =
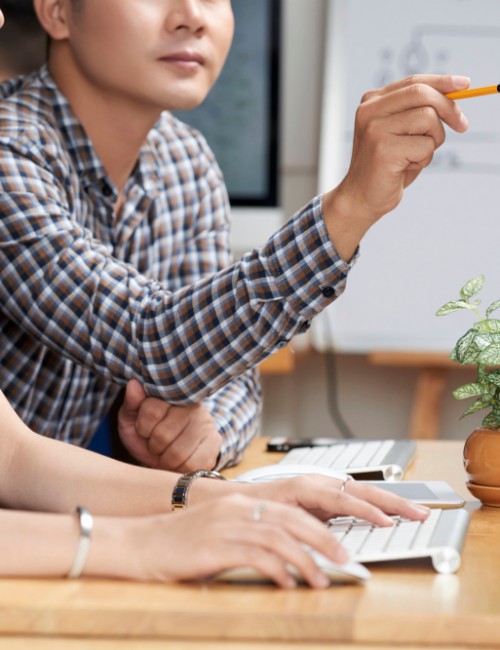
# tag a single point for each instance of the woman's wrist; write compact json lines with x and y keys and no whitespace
{"x":116,"y":547}
{"x":205,"y":489}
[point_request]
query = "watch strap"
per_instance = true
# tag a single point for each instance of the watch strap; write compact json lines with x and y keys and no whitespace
{"x":181,"y":489}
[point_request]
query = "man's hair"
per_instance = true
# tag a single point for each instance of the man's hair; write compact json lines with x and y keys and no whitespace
{"x":18,"y":7}
{"x":22,"y":40}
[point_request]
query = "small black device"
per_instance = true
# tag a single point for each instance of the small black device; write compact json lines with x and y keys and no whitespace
{"x":282,"y":443}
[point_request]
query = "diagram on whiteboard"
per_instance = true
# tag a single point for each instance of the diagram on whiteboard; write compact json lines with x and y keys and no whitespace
{"x":447,"y":227}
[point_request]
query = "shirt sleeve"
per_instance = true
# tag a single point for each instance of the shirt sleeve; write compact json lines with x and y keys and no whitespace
{"x":65,"y":288}
{"x":236,"y":409}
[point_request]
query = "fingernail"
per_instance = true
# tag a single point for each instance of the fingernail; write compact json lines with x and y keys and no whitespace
{"x":464,"y":122}
{"x":421,"y":508}
{"x":459,"y":81}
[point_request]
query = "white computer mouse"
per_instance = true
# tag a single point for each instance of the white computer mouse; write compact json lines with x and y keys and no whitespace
{"x":348,"y":573}
{"x":287,"y":470}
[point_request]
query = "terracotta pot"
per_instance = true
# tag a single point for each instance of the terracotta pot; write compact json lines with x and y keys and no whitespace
{"x":482,"y":464}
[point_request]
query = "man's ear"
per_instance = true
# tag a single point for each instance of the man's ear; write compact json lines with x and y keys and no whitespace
{"x":52,"y":15}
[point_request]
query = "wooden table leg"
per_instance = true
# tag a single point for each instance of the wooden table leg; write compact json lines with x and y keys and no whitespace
{"x":426,"y":410}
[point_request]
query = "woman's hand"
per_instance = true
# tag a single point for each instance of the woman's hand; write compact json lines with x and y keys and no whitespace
{"x":225,"y":533}
{"x":322,"y":497}
{"x":319,"y":495}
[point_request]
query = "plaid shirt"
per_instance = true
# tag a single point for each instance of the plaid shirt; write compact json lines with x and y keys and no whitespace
{"x":90,"y":301}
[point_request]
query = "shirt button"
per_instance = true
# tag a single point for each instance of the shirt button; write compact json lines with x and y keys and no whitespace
{"x":281,"y":344}
{"x":304,"y":327}
{"x":106,"y":189}
{"x":328,"y":291}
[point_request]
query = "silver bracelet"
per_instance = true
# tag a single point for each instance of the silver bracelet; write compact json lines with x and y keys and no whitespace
{"x":86,"y":523}
{"x":181,"y":489}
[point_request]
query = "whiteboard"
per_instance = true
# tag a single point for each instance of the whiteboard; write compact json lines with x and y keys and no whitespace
{"x":447,"y":228}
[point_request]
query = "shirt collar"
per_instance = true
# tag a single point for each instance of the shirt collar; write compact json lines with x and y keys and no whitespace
{"x":87,"y":163}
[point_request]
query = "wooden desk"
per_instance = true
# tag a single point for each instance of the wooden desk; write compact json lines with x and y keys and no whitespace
{"x":398,"y":607}
{"x":281,"y":362}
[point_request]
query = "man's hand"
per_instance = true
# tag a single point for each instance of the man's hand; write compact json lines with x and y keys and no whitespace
{"x":164,"y":436}
{"x":398,"y":128}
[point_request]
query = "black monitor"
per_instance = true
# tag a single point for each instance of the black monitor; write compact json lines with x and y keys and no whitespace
{"x":239,"y":118}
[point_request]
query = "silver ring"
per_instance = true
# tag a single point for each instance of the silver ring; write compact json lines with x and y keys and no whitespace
{"x":257,"y":513}
{"x":344,"y":483}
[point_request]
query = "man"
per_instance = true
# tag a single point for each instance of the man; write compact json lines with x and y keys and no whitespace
{"x":114,"y":241}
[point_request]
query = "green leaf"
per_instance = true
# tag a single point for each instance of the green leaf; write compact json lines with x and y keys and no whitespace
{"x":490,"y":421}
{"x":484,"y":339}
{"x":471,"y":355}
{"x":477,"y":406}
{"x":468,"y":390}
{"x":472,"y":287}
{"x":492,"y":307}
{"x":489,"y":391}
{"x":492,"y":377}
{"x":466,"y":351}
{"x":491,"y":325}
{"x":490,"y":356}
{"x":454,"y":305}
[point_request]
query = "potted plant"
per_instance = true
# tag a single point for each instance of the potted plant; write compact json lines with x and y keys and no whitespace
{"x":480,"y":346}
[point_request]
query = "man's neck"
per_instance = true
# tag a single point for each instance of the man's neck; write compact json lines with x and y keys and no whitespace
{"x":116,"y":127}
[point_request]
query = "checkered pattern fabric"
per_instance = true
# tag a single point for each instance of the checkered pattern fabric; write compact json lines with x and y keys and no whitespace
{"x":90,"y":299}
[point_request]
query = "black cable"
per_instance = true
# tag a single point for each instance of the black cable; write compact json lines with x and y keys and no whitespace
{"x":332,"y":395}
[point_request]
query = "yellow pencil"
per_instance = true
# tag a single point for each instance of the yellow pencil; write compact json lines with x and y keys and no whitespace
{"x":474,"y":92}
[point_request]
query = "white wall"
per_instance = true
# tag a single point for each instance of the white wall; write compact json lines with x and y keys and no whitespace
{"x":375,"y":402}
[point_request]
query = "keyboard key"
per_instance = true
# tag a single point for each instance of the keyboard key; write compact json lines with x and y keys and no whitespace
{"x":330,"y":455}
{"x":347,"y":457}
{"x":403,"y":536}
{"x":355,"y":538}
{"x":380,"y":458}
{"x":366,"y":454}
{"x":377,"y":540}
{"x":426,"y":531}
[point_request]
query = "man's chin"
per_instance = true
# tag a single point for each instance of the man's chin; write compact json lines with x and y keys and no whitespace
{"x":183,"y":103}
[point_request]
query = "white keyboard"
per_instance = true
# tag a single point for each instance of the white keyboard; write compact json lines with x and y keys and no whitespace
{"x":375,"y":459}
{"x":440,"y":537}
